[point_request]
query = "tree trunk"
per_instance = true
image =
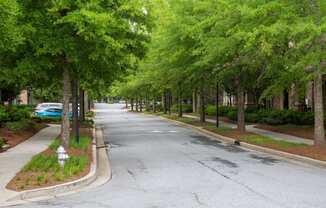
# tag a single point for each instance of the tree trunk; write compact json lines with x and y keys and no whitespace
{"x":154,"y":106}
{"x":217,"y":103}
{"x":136,"y":105}
{"x":319,"y":134}
{"x":141,"y":105}
{"x":180,"y":102}
{"x":132,"y":104}
{"x":82,"y":104}
{"x":75,"y":120}
{"x":65,"y":125}
{"x":240,"y":103}
{"x":165,"y":102}
{"x":127,"y":104}
{"x":194,"y":101}
{"x":202,"y":106}
{"x":169,"y":102}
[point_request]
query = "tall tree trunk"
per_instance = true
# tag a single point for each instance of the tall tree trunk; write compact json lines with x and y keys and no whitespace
{"x":180,"y":102}
{"x":154,"y":105}
{"x":132,"y":104}
{"x":217,"y":103}
{"x":137,"y":105}
{"x":82,"y":104}
{"x":165,"y":109}
{"x":319,"y":134}
{"x":194,"y":101}
{"x":75,"y":120}
{"x":169,"y":102}
{"x":127,"y":104}
{"x":240,"y":103}
{"x":141,"y":105}
{"x":202,"y":106}
{"x":65,"y":125}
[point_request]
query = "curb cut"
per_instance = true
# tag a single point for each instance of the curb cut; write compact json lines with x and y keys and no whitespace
{"x":286,"y":155}
{"x":92,"y":179}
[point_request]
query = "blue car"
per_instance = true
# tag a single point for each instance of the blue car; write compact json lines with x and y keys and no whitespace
{"x":51,"y":112}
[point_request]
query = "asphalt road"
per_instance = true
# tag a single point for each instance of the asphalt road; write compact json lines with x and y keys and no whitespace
{"x":158,"y":164}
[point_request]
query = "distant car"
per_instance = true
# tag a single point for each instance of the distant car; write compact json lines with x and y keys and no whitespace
{"x":51,"y":112}
{"x":43,"y":106}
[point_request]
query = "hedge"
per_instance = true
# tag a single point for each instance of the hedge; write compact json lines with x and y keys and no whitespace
{"x":14,"y":113}
{"x":269,"y":116}
{"x":186,"y":108}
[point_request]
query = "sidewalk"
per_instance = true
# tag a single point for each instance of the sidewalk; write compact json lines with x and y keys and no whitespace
{"x":13,"y":160}
{"x":251,"y":128}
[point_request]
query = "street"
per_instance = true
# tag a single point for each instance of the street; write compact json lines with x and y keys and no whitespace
{"x":158,"y":164}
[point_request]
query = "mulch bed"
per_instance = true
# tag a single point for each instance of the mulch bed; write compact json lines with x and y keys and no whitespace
{"x":15,"y":138}
{"x":18,"y":183}
{"x":306,"y":132}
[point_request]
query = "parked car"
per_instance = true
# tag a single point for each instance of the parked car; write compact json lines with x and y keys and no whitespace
{"x":43,"y":106}
{"x":51,"y":112}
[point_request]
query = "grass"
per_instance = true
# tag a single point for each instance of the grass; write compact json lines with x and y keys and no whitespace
{"x":83,"y":144}
{"x":267,"y":141}
{"x":43,"y":163}
{"x":256,"y":139}
{"x":45,"y":167}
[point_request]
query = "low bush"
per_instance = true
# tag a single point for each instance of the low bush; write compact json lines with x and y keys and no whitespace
{"x":268,"y":116}
{"x":2,"y":142}
{"x":90,"y":114}
{"x":186,"y":108}
{"x":13,"y":113}
{"x":45,"y":119}
{"x":16,"y":126}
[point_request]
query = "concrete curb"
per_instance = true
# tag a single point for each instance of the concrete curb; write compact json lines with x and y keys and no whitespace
{"x":100,"y":173}
{"x":307,"y":160}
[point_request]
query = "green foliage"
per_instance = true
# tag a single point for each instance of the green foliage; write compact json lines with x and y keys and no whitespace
{"x":83,"y":144}
{"x":2,"y":142}
{"x":74,"y":165}
{"x":44,"y":163}
{"x":16,"y":126}
{"x":55,"y":144}
{"x":186,"y":108}
{"x":90,"y":114}
{"x":45,"y":119}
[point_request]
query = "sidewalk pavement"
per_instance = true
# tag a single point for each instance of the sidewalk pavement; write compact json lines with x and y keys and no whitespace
{"x":251,"y":128}
{"x":14,"y":159}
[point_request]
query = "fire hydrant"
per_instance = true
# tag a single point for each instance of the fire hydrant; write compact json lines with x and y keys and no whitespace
{"x":62,"y":155}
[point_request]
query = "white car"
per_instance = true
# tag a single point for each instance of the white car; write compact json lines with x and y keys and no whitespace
{"x":43,"y":106}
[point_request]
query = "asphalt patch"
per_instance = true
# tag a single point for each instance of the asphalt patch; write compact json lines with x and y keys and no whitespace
{"x":204,"y":140}
{"x":265,"y":159}
{"x":225,"y":162}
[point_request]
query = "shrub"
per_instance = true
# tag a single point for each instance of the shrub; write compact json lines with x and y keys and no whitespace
{"x":224,"y":110}
{"x":46,"y":119}
{"x":2,"y":142}
{"x":252,"y":117}
{"x":211,"y":110}
{"x":16,"y":126}
{"x":90,"y":114}
{"x":232,"y":115}
{"x":186,"y":108}
{"x":17,"y":114}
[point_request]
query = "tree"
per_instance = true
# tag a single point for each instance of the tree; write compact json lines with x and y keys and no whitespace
{"x":83,"y":41}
